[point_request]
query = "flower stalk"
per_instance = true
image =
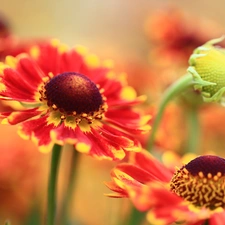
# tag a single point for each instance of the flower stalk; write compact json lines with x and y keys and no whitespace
{"x":68,"y":194}
{"x":178,"y":87}
{"x":135,"y":217}
{"x":193,"y":130}
{"x":52,"y":185}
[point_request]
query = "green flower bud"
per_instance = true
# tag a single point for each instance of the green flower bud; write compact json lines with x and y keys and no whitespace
{"x":207,"y":66}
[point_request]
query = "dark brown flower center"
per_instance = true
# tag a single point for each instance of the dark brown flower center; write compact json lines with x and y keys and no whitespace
{"x":201,"y":182}
{"x":72,"y":92}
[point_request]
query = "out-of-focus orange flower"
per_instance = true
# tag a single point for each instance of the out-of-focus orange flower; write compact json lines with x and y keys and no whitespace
{"x":213,"y":128}
{"x":140,"y":76}
{"x":192,"y":194}
{"x":69,"y":96}
{"x":20,"y":168}
{"x":174,"y":35}
{"x":172,"y":132}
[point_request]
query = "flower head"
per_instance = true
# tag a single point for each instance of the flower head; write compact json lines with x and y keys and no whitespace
{"x":207,"y":69}
{"x":69,"y":96}
{"x":204,"y":175}
{"x":193,"y":193}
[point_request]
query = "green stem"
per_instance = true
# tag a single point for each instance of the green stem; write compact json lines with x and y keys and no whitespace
{"x":194,"y":130}
{"x":70,"y":187}
{"x":179,"y":86}
{"x":135,"y":217}
{"x":56,"y":153}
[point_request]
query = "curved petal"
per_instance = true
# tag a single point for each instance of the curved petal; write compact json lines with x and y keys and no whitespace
{"x":30,"y":71}
{"x":129,"y":125}
{"x":39,"y":131}
{"x":118,"y":192}
{"x":19,"y":116}
{"x":16,"y":87}
{"x":103,"y":148}
{"x":128,"y":176}
{"x":50,"y":54}
{"x":63,"y":135}
{"x":67,"y":63}
{"x":112,"y":88}
{"x":132,"y":171}
{"x":122,"y":140}
{"x":115,"y":136}
{"x":147,"y":162}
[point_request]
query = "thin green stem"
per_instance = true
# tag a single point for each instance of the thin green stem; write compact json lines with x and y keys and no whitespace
{"x":178,"y":87}
{"x":70,"y":187}
{"x":52,"y":185}
{"x":193,"y":130}
{"x":135,"y":217}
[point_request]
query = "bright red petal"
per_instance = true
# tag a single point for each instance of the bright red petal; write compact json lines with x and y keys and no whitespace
{"x":37,"y":129}
{"x":30,"y":72}
{"x":135,"y":172}
{"x":19,"y":116}
{"x":147,"y":162}
{"x":16,"y":87}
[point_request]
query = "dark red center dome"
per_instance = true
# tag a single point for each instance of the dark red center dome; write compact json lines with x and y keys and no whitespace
{"x":73,"y":92}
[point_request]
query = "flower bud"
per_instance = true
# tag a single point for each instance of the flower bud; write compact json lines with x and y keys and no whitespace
{"x":207,"y":66}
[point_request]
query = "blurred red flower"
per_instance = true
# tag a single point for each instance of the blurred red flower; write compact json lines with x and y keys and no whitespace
{"x":175,"y":34}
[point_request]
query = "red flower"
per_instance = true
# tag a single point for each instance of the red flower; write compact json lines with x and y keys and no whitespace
{"x":70,"y":97}
{"x":193,"y":194}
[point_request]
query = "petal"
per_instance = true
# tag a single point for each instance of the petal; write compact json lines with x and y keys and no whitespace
{"x":112,"y":88}
{"x":137,"y":173}
{"x":217,"y":219}
{"x":30,"y":71}
{"x":63,"y":134}
{"x":154,"y":195}
{"x":128,"y":120}
{"x":103,"y":147}
{"x":60,"y":60}
{"x":130,"y":126}
{"x":115,"y":136}
{"x":120,"y":192}
{"x":19,"y":116}
{"x":147,"y":162}
{"x":39,"y":131}
{"x":16,"y":87}
{"x":98,"y":75}
{"x":123,"y":102}
{"x":123,"y":140}
{"x":67,"y":63}
{"x":123,"y":113}
{"x":87,"y":142}
{"x":50,"y":54}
